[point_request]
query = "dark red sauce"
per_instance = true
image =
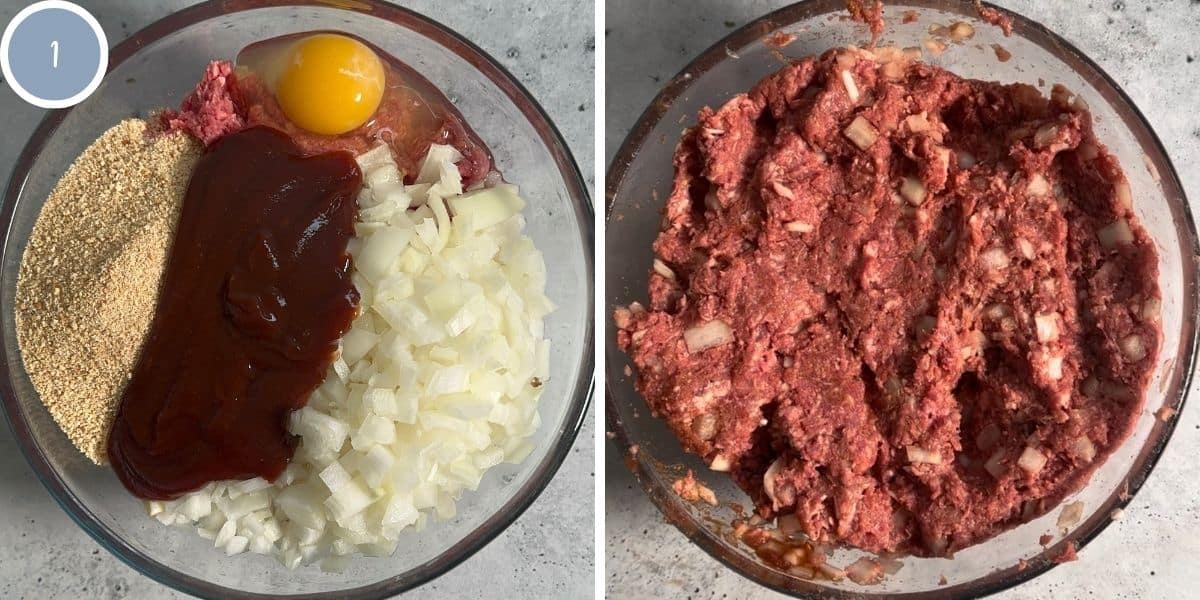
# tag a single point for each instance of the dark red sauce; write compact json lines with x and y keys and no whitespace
{"x":256,"y":294}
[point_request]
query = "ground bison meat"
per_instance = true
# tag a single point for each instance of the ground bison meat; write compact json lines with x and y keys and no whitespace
{"x":213,"y":110}
{"x":911,"y":309}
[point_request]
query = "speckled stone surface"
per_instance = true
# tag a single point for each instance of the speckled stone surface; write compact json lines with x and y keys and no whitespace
{"x":547,"y":44}
{"x":1152,"y":48}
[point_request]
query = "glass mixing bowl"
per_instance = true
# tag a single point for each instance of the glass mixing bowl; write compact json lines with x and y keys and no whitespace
{"x":155,"y":69}
{"x":640,"y":177}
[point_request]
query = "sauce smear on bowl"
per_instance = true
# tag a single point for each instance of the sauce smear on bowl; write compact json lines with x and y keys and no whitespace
{"x":256,"y":294}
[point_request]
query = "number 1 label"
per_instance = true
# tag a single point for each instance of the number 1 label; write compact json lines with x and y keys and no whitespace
{"x":57,"y":26}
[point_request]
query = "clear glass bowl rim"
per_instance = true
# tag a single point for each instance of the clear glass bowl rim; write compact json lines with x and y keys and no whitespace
{"x":580,"y":397}
{"x":676,"y":88}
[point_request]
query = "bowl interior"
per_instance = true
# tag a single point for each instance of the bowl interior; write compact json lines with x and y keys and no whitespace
{"x":156,"y":69}
{"x":640,"y":177}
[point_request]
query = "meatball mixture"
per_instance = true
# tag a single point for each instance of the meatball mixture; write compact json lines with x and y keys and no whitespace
{"x":911,"y":309}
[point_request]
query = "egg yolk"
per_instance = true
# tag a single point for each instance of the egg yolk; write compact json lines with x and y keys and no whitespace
{"x":330,"y":84}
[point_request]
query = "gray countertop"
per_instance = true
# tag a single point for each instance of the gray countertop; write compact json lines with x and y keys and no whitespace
{"x":1151,"y":48}
{"x":45,"y":555}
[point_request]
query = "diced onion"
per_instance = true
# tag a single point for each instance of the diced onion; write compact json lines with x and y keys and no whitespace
{"x":720,"y":463}
{"x":1054,"y":365}
{"x":1116,"y":234}
{"x":1152,"y":309}
{"x":1083,"y":449}
{"x":865,"y":571}
{"x":661,"y":268}
{"x":919,"y":455}
{"x":917,"y":123}
{"x":861,"y":132}
{"x":1032,"y":460}
{"x":913,"y":190}
{"x":1026,"y":248}
{"x":995,"y":464}
{"x":1133,"y":347}
{"x":769,"y":478}
{"x":1037,"y":186}
{"x":850,"y":85}
{"x":1044,"y":135}
{"x":961,"y":31}
{"x":1070,"y":516}
{"x":709,"y":335}
{"x":1047,"y":326}
{"x":995,"y":258}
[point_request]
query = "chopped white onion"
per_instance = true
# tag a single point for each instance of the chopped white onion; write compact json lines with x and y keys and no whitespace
{"x":720,"y":463}
{"x":1047,"y":326}
{"x":769,"y":478}
{"x":1115,"y":234}
{"x":919,"y":455}
{"x":913,"y":190}
{"x":850,"y":85}
{"x":1032,"y":460}
{"x":1133,"y":347}
{"x":1070,"y":516}
{"x":861,"y":132}
{"x":708,"y":335}
{"x":995,"y":258}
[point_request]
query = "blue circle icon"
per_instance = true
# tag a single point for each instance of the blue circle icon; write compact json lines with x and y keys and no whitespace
{"x":54,"y":54}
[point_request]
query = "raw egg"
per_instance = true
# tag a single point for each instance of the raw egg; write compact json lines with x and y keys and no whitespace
{"x":327,"y":83}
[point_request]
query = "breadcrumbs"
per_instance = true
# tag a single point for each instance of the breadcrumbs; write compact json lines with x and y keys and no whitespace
{"x":90,"y":275}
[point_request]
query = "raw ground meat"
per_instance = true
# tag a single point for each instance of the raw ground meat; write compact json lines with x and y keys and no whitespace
{"x":911,"y":309}
{"x":213,"y":110}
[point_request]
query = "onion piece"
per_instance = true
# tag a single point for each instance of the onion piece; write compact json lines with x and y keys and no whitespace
{"x":1070,"y":516}
{"x":919,"y":455}
{"x":720,"y":463}
{"x":995,"y":258}
{"x":1152,"y":309}
{"x":913,"y":190}
{"x":995,"y":464}
{"x":861,"y":132}
{"x":850,"y":85}
{"x":1083,"y":449}
{"x":798,"y":227}
{"x":865,"y":571}
{"x":917,"y":123}
{"x":1047,"y":326}
{"x":1037,"y":186}
{"x":769,"y":479}
{"x":708,"y":335}
{"x":661,"y":268}
{"x":1133,"y":347}
{"x":1032,"y":460}
{"x":1025,"y":247}
{"x":1115,"y":234}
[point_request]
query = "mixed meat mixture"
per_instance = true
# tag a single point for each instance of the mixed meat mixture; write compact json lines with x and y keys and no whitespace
{"x":910,"y":309}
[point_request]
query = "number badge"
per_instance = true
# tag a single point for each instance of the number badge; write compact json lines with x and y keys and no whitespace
{"x":54,"y":54}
